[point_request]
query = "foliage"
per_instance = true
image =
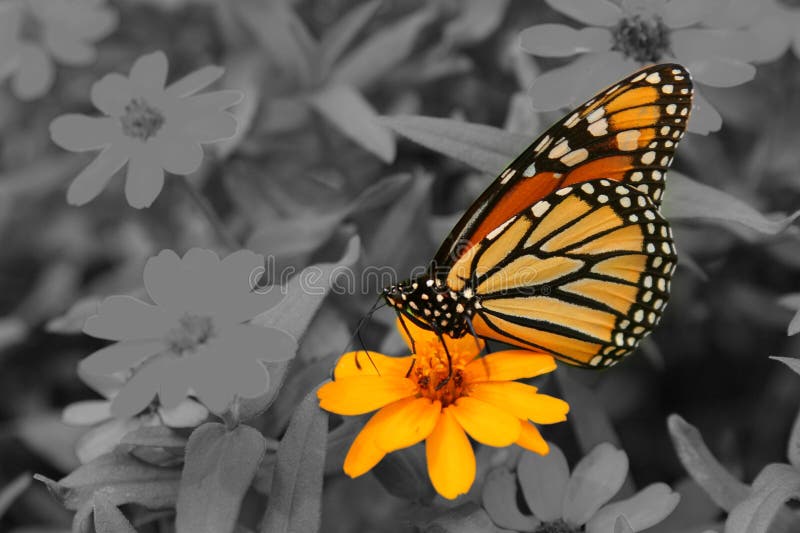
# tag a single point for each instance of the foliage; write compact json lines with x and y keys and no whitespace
{"x":167,"y":335}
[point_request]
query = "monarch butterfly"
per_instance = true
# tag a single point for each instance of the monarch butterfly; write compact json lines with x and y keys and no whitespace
{"x":566,"y":252}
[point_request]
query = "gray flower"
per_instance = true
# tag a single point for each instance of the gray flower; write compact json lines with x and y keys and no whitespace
{"x":148,"y":127}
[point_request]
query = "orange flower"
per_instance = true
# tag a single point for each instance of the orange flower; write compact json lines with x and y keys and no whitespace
{"x":480,"y":399}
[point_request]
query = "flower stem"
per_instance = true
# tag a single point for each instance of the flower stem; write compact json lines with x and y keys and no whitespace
{"x":211,"y":215}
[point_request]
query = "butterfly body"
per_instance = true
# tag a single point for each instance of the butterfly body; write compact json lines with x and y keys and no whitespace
{"x":566,"y":252}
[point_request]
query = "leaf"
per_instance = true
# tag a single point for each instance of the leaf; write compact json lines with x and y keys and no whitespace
{"x":484,"y":147}
{"x":794,"y":325}
{"x":791,"y":362}
{"x":345,"y":108}
{"x":340,"y":35}
{"x":476,"y":20}
{"x":304,"y":294}
{"x":157,"y":436}
{"x":588,"y":417}
{"x":123,"y":479}
{"x":296,"y":496}
{"x":491,"y":149}
{"x":244,"y":72}
{"x":622,"y":525}
{"x":773,"y":487}
{"x":40,"y":177}
{"x":382,"y":52}
{"x":282,"y":35}
{"x":404,"y":473}
{"x":292,"y":241}
{"x":719,"y":484}
{"x":219,"y":467}
{"x":12,"y":491}
{"x":467,"y":518}
{"x":687,"y":199}
{"x":107,"y":516}
{"x":793,"y":446}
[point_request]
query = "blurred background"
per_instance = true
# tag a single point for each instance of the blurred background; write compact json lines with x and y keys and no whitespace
{"x":311,"y":167}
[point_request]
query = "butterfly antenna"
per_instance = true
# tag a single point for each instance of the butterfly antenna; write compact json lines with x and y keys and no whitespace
{"x":357,"y":335}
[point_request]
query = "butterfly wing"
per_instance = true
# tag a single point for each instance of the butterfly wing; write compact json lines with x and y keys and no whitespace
{"x":583,"y":274}
{"x":627,"y":134}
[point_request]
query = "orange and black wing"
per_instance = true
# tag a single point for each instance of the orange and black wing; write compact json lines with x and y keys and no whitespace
{"x":627,"y":133}
{"x":583,"y":274}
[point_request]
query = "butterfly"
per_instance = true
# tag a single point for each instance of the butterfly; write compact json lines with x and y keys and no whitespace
{"x":566,"y":252}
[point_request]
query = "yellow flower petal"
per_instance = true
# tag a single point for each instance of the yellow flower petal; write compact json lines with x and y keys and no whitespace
{"x":521,"y":400}
{"x":466,"y":347}
{"x":361,"y":394}
{"x":451,"y":461}
{"x":485,"y":422}
{"x":363,"y":454}
{"x":509,"y":365}
{"x":405,"y":423}
{"x":531,"y":439}
{"x":361,"y":363}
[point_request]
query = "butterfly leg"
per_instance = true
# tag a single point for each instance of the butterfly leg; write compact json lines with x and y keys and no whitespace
{"x":413,"y":344}
{"x":475,"y":336}
{"x":446,"y":380}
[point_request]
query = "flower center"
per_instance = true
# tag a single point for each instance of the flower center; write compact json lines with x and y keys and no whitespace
{"x":193,"y":331}
{"x":792,"y":4}
{"x":645,"y":40}
{"x":434,"y":378}
{"x":141,"y":120}
{"x":557,"y":526}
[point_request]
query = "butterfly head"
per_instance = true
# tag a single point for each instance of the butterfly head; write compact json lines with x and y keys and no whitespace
{"x":431,"y":304}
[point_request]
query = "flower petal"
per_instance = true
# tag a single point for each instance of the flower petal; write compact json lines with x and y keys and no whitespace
{"x":774,"y":33}
{"x":93,"y":179}
{"x":559,"y":40}
{"x":485,"y":422}
{"x":120,"y":356}
{"x":217,"y":100}
{"x":104,"y":438}
{"x":209,"y":127}
{"x":144,"y":181}
{"x":251,"y":342}
{"x":692,"y":45}
{"x":509,"y":365}
{"x":35,"y":74}
{"x":187,"y":414}
{"x":150,"y":71}
{"x":361,"y":394}
{"x":125,"y":318}
{"x":543,"y":480}
{"x":591,"y":12}
{"x":363,"y":454}
{"x":111,"y":94}
{"x":568,"y":85}
{"x":363,"y":363}
{"x":195,"y":81}
{"x":79,"y":133}
{"x":86,"y":413}
{"x":451,"y":460}
{"x":177,"y":153}
{"x":531,"y":439}
{"x":498,"y":499}
{"x":683,"y":13}
{"x":704,"y":117}
{"x":595,"y":480}
{"x":68,"y":50}
{"x":522,"y":401}
{"x":405,"y":422}
{"x":720,"y":72}
{"x":140,"y":390}
{"x":644,"y":509}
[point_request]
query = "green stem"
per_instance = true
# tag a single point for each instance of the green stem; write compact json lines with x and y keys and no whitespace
{"x":225,"y":237}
